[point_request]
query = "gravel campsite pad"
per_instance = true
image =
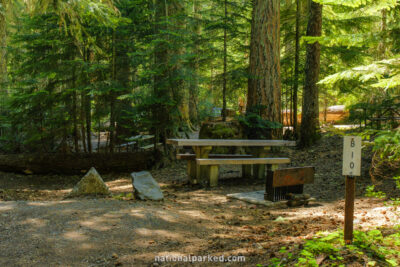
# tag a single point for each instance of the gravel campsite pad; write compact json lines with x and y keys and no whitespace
{"x":40,"y":227}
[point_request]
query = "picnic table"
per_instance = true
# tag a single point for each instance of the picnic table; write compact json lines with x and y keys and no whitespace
{"x":203,"y":166}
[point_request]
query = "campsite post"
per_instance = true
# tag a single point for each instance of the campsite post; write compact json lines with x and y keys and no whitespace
{"x":351,"y":168}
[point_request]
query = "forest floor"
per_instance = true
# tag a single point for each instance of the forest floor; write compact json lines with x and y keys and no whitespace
{"x":39,"y":226}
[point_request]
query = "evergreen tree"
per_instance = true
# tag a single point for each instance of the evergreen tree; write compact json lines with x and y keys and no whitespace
{"x":310,"y":111}
{"x":264,"y":89}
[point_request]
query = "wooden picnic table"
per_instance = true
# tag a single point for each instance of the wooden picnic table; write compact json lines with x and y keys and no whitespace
{"x":203,"y":147}
{"x":229,"y":142}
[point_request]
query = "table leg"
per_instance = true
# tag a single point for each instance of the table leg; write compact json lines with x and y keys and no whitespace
{"x":191,"y":168}
{"x":259,"y":170}
{"x":202,"y":172}
{"x":246,"y":172}
{"x":214,"y":171}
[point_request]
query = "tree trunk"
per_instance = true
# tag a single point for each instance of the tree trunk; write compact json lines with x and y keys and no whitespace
{"x":3,"y":48}
{"x":194,"y":83}
{"x":88,"y":115}
{"x":309,"y":131}
{"x":112,"y":97}
{"x":296,"y":70}
{"x":225,"y":64}
{"x":88,"y":107}
{"x":75,"y":121}
{"x":264,"y":88}
{"x":79,"y":163}
{"x":82,"y":122}
{"x":161,"y":82}
{"x":382,"y":44}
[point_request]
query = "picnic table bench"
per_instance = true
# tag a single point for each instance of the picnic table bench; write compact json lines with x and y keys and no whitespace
{"x":138,"y":142}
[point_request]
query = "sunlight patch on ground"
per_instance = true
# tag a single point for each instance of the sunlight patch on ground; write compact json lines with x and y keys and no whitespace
{"x":157,"y":233}
{"x":35,"y":222}
{"x":48,"y":203}
{"x":7,"y":206}
{"x":87,"y":246}
{"x":75,"y":236}
{"x":168,"y":216}
{"x":193,"y":213}
{"x":140,"y":214}
{"x":97,"y":223}
{"x":124,"y":185}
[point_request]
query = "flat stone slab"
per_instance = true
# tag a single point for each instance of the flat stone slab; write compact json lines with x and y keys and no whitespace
{"x":257,"y":197}
{"x":145,"y":186}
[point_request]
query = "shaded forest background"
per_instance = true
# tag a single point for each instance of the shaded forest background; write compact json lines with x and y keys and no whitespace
{"x":73,"y":69}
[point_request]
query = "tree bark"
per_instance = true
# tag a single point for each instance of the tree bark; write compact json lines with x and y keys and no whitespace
{"x":88,"y":107}
{"x":194,"y":83}
{"x":296,"y":70}
{"x":88,"y":115}
{"x":309,"y":131}
{"x":161,"y":81}
{"x":75,"y":121}
{"x":112,"y":97}
{"x":82,"y":122}
{"x":264,"y":88}
{"x":225,"y":63}
{"x":382,"y":44}
{"x":3,"y":48}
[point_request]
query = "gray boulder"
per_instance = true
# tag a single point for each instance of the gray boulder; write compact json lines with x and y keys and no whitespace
{"x":145,"y":186}
{"x":90,"y":184}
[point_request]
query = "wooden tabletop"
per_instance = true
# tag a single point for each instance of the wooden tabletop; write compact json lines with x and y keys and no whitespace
{"x":243,"y":161}
{"x":231,"y":142}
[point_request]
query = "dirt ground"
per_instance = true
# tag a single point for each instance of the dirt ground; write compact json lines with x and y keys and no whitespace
{"x":40,"y":227}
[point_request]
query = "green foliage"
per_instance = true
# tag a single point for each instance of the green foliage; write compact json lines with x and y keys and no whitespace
{"x":378,"y":249}
{"x":386,"y":160}
{"x":255,"y":126}
{"x":222,"y":131}
{"x":358,"y":3}
{"x":370,"y":192}
{"x":388,"y":145}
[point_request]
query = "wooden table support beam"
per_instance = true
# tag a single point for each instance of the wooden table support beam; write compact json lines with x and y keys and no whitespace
{"x":259,"y":170}
{"x":202,"y":172}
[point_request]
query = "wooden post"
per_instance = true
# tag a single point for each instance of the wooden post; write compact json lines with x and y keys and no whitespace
{"x":259,"y":170}
{"x":349,"y":209}
{"x":351,"y":168}
{"x":214,"y":171}
{"x":202,"y":172}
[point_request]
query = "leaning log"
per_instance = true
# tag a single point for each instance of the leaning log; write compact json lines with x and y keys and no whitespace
{"x":78,"y":163}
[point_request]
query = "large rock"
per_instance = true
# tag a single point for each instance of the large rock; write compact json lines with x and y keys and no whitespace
{"x":145,"y":186}
{"x":90,"y":184}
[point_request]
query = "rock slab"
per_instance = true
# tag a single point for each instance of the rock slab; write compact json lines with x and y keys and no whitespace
{"x":90,"y":184}
{"x":145,"y":186}
{"x":256,"y":197}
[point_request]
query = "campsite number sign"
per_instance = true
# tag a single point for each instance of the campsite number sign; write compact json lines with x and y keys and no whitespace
{"x":351,"y":168}
{"x":352,"y":156}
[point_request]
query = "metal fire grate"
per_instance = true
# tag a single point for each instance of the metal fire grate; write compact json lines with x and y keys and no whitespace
{"x":279,"y":193}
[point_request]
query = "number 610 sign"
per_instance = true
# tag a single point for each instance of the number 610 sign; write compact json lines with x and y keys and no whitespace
{"x":352,"y":156}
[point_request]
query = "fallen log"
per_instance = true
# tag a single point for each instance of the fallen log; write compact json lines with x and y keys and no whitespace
{"x":46,"y":163}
